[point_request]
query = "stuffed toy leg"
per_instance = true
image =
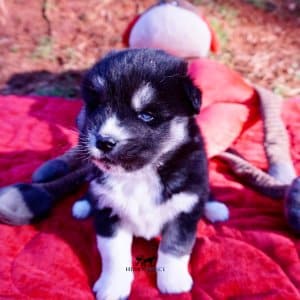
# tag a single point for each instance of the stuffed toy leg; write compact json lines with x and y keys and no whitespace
{"x":59,"y":166}
{"x":276,"y":139}
{"x":268,"y":185}
{"x":281,"y":171}
{"x":23,"y":203}
{"x":281,"y":181}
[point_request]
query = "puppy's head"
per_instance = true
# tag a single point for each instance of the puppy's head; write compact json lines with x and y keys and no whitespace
{"x":137,"y":105}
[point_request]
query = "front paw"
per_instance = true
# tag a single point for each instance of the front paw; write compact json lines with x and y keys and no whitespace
{"x":50,"y":170}
{"x":113,"y":287}
{"x":174,"y":282}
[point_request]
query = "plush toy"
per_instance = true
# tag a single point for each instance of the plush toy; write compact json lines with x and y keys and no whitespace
{"x":174,"y":26}
{"x":22,"y":203}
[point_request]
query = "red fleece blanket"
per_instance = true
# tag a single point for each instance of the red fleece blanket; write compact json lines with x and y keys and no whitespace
{"x":254,"y":255}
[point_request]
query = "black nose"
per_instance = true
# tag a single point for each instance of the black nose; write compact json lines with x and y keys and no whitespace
{"x":106,"y":144}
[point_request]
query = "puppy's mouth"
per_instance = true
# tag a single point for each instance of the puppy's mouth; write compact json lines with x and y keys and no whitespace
{"x":108,"y":165}
{"x":104,"y":163}
{"x":129,"y":159}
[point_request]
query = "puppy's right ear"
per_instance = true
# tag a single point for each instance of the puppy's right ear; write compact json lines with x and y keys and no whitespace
{"x":111,"y":53}
{"x":81,"y":119}
{"x":193,"y":95}
{"x":92,"y":89}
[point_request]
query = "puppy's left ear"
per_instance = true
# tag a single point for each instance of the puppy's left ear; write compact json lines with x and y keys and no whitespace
{"x":193,"y":95}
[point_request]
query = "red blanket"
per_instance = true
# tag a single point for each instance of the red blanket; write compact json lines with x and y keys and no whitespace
{"x":254,"y":255}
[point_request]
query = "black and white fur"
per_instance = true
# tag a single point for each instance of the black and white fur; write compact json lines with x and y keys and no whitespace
{"x":138,"y":127}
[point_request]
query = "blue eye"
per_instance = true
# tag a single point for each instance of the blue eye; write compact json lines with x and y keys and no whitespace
{"x":146,"y":117}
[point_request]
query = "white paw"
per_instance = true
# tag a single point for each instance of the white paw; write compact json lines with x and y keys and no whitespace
{"x":81,"y":209}
{"x":174,"y":283}
{"x":173,"y":276}
{"x":216,"y":211}
{"x":113,"y":287}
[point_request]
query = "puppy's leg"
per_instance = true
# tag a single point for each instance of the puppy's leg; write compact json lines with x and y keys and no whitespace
{"x":174,"y":253}
{"x":114,"y":244}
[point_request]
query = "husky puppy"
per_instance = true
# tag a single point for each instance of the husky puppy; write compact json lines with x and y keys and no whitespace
{"x":138,"y":128}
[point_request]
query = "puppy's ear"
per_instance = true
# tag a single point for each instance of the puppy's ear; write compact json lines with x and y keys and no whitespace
{"x":92,"y":89}
{"x":193,"y":95}
{"x":112,"y":53}
{"x":81,"y":119}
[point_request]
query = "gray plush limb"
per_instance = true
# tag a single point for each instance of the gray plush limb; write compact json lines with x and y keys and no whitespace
{"x":277,"y":148}
{"x":13,"y":209}
{"x":72,"y":157}
{"x":251,"y":175}
{"x":281,"y":182}
{"x":59,"y":166}
{"x":269,"y":186}
{"x":66,"y":184}
{"x":22,"y":203}
{"x":276,"y":138}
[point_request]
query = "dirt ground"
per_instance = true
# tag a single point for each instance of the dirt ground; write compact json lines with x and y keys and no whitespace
{"x":45,"y":45}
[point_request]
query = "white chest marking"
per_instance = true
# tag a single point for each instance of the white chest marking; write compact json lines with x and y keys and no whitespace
{"x":136,"y":198}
